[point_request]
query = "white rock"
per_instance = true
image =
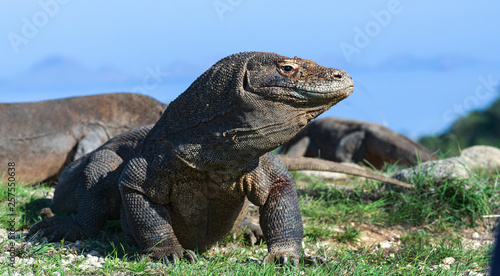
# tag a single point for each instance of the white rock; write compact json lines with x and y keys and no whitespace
{"x":459,"y":167}
{"x":448,"y":261}
{"x":385,"y":244}
{"x":485,"y":157}
{"x":444,"y":266}
{"x":453,"y":167}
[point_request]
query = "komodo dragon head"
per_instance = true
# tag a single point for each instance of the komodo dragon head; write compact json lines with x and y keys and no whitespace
{"x":246,"y":105}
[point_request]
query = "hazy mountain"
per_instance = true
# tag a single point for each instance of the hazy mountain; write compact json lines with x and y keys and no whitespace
{"x":63,"y":72}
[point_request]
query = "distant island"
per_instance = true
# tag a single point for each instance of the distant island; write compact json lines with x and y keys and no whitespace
{"x":480,"y":127}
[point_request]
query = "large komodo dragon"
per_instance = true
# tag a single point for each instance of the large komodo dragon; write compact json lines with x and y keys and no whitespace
{"x":186,"y":185}
{"x":343,"y":140}
{"x":42,"y":138}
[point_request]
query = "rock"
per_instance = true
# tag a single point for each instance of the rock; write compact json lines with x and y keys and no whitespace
{"x":385,"y":245}
{"x":448,"y":261}
{"x":459,"y":167}
{"x":91,"y":262}
{"x":485,"y":157}
{"x":450,"y":168}
{"x":444,"y":266}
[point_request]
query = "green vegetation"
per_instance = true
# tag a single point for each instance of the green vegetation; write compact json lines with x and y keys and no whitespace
{"x":477,"y":128}
{"x":430,"y":221}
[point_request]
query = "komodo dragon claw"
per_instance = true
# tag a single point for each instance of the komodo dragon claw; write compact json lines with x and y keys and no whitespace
{"x":173,"y":258}
{"x":281,"y":259}
{"x":55,"y":229}
{"x":287,"y":252}
{"x":252,"y":232}
{"x":47,"y":212}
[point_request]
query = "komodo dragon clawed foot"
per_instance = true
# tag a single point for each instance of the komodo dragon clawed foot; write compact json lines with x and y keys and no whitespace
{"x":252,"y":232}
{"x":171,"y":256}
{"x":56,"y":229}
{"x":290,"y":252}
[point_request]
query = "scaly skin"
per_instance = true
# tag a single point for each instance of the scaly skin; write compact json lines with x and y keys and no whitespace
{"x":297,"y":163}
{"x":44,"y":137}
{"x":187,"y":183}
{"x":344,"y":140}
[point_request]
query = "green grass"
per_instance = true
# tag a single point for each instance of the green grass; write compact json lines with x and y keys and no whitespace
{"x":418,"y":256}
{"x":451,"y":203}
{"x":432,"y":218}
{"x":27,"y":202}
{"x":448,"y":203}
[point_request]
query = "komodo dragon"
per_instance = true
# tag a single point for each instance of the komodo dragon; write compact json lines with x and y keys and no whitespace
{"x":188,"y":182}
{"x":343,"y":140}
{"x":42,"y":138}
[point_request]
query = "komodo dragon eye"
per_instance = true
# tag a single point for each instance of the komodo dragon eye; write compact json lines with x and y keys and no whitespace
{"x":288,"y":69}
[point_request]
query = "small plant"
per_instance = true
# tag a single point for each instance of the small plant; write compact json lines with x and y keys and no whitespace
{"x":351,"y":234}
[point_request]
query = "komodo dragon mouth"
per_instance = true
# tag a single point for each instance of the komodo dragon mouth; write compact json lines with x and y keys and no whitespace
{"x":324,"y":92}
{"x":318,"y":91}
{"x":313,"y":96}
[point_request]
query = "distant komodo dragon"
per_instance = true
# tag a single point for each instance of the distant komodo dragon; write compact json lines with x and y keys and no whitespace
{"x":42,"y":138}
{"x":187,"y":184}
{"x":343,"y":140}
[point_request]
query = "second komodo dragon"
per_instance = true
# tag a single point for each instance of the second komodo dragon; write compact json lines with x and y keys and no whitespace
{"x":187,"y":184}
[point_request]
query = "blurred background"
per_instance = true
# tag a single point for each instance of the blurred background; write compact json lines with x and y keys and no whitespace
{"x":418,"y":66}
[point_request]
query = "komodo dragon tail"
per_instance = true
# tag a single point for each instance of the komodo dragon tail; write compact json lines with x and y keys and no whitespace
{"x":295,"y":163}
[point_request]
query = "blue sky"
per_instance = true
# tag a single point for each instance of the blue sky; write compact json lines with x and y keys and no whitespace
{"x":416,"y":65}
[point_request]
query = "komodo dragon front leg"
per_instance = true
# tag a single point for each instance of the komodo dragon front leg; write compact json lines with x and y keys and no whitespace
{"x":93,"y":199}
{"x":272,"y":188}
{"x":147,"y":218}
